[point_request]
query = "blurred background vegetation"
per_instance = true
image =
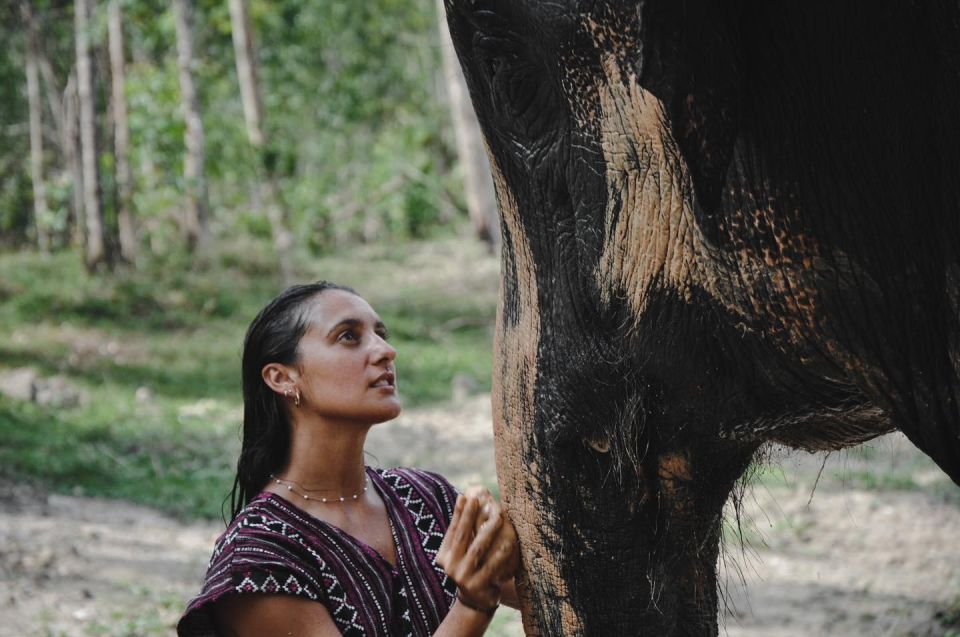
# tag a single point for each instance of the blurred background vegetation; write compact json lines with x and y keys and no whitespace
{"x":166,"y":167}
{"x":354,"y":126}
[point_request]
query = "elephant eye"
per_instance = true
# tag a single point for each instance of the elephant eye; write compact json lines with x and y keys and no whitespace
{"x":523,"y":92}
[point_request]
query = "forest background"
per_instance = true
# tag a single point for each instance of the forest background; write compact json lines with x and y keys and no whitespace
{"x":329,"y":121}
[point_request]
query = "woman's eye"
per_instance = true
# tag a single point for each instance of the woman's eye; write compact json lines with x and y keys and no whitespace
{"x":348,"y":336}
{"x":384,"y":335}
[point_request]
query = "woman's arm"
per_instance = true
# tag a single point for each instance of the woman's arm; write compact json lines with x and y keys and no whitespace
{"x":258,"y":615}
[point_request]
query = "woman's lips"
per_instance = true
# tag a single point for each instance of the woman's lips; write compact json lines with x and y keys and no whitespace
{"x":386,"y":380}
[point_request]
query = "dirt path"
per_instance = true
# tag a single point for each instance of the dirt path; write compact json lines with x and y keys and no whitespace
{"x":851,"y":561}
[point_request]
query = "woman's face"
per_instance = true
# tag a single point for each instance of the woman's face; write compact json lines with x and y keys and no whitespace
{"x":345,"y":365}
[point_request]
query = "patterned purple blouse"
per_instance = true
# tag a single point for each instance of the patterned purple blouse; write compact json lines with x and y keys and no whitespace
{"x":274,"y":547}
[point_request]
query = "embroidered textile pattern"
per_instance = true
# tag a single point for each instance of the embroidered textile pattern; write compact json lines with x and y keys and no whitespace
{"x":431,"y":531}
{"x":274,"y":547}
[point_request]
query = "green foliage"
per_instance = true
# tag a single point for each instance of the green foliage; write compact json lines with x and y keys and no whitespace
{"x":352,"y":105}
{"x":111,"y":448}
{"x":15,"y":202}
{"x":15,"y":196}
{"x":166,"y":298}
{"x":349,"y":90}
{"x":878,"y":481}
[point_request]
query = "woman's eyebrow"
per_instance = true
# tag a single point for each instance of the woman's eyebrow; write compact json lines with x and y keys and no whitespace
{"x":355,"y":322}
{"x":348,"y":322}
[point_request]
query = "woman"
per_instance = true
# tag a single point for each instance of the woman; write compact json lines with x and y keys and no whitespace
{"x":320,"y":544}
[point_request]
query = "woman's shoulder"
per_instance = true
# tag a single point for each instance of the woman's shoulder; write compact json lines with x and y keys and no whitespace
{"x":268,"y":532}
{"x":264,"y":517}
{"x":413,"y":486}
{"x":263,"y":550}
{"x":402,"y":478}
{"x":413,"y":474}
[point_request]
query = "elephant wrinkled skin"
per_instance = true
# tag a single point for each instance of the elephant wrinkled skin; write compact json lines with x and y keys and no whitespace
{"x":724,"y":224}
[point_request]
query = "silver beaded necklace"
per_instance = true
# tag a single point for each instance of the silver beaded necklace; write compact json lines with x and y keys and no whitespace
{"x":295,"y":488}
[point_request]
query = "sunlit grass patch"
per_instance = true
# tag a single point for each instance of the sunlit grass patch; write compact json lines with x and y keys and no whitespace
{"x":118,"y":450}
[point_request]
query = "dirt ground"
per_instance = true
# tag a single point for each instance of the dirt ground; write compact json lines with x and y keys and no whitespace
{"x":853,"y":557}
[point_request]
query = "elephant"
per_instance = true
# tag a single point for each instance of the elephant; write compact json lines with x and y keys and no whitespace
{"x":725,"y":224}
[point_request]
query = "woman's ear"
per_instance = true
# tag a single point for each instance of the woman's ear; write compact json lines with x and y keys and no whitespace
{"x":280,"y":378}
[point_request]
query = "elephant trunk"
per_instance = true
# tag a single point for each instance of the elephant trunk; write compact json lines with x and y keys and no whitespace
{"x":625,"y":559}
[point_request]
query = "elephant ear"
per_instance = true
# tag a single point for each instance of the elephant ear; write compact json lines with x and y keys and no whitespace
{"x":691,"y":61}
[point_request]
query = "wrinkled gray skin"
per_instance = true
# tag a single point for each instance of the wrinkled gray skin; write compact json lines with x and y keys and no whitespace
{"x":724,"y":224}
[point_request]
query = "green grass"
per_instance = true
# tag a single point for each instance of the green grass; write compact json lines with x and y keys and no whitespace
{"x":877,"y":480}
{"x":156,"y":616}
{"x":506,"y":623}
{"x":949,"y":619}
{"x":175,"y":333}
{"x":887,"y":464}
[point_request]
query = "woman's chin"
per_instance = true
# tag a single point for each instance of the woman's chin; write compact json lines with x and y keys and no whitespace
{"x":388,"y":412}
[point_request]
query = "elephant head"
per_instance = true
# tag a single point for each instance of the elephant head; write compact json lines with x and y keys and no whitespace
{"x":723,"y":224}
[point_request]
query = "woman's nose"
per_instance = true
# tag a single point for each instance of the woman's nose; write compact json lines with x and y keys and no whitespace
{"x":383,"y":351}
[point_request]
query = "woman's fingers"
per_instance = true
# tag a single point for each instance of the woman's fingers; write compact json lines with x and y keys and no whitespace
{"x":485,"y":498}
{"x":478,"y":492}
{"x":479,"y":550}
{"x":459,"y":534}
{"x":487,"y":532}
{"x":443,"y":553}
{"x":468,"y":517}
{"x":495,"y":567}
{"x":502,"y":551}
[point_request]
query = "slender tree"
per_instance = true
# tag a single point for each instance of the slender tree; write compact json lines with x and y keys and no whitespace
{"x":121,"y":135}
{"x":52,"y":91}
{"x":195,"y":212}
{"x":269,"y":191}
{"x":35,"y":106}
{"x":247,"y":71}
{"x":478,"y":182}
{"x":74,"y":162}
{"x":57,"y":108}
{"x":96,"y":254}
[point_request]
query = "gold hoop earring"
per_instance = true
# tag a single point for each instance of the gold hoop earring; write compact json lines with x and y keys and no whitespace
{"x":296,"y":396}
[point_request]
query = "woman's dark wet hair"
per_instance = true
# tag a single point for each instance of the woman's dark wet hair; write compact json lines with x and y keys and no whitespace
{"x":273,"y":337}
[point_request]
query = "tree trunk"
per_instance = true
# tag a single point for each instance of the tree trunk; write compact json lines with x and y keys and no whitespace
{"x":478,"y":183}
{"x":58,"y":114}
{"x":71,"y":151}
{"x":247,"y":71}
{"x":53,"y":94}
{"x":96,"y":255}
{"x":195,"y":214}
{"x":121,"y":136}
{"x":36,"y":130}
{"x":253,"y":114}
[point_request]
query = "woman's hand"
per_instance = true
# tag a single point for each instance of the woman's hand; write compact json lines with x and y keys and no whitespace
{"x":505,"y":541}
{"x":479,"y":551}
